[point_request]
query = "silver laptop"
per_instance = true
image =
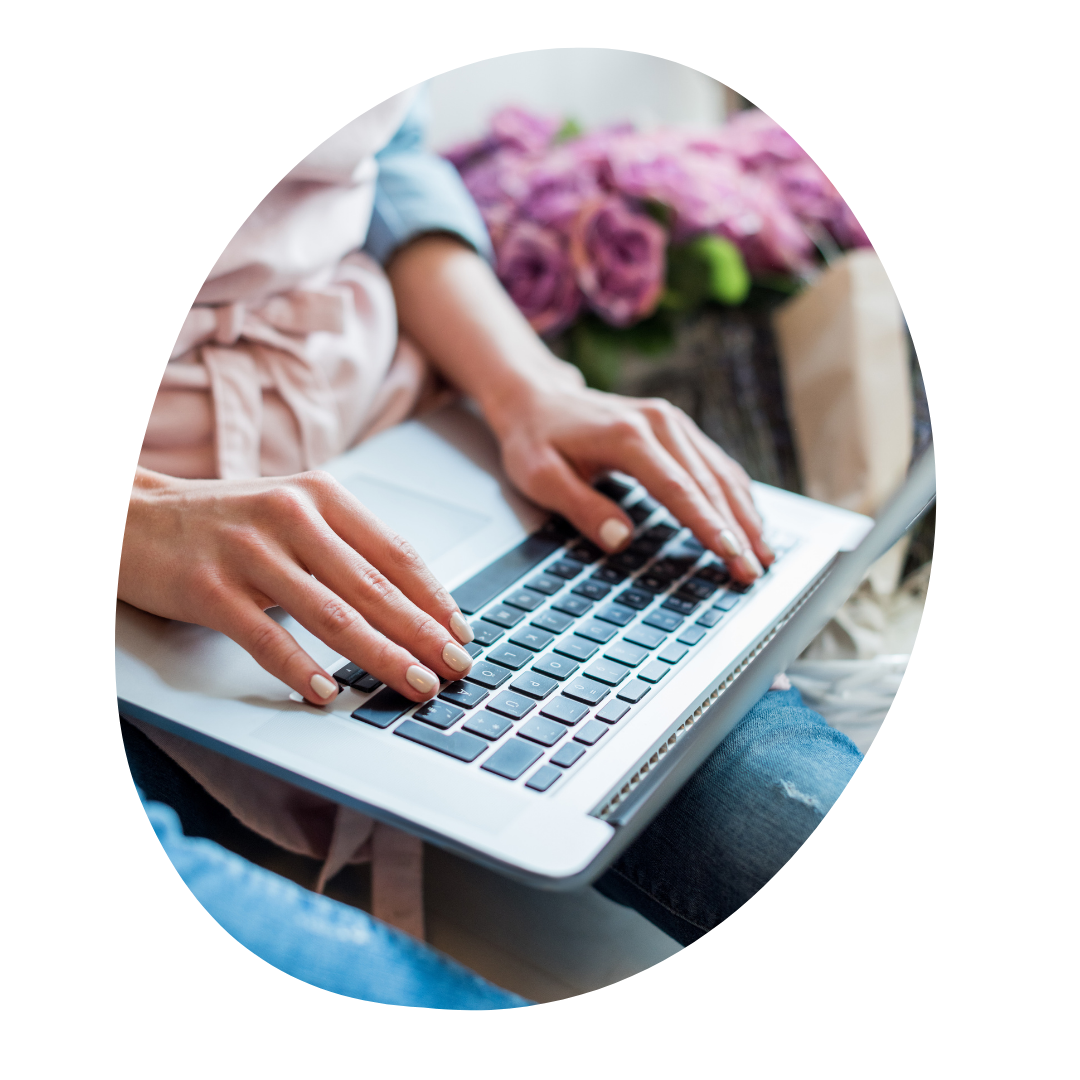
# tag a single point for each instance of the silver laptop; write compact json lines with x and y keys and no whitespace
{"x":600,"y":683}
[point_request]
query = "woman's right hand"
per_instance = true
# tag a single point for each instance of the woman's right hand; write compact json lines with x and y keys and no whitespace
{"x":219,"y":553}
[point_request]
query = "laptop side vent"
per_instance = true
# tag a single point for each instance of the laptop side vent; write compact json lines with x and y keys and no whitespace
{"x":655,"y":756}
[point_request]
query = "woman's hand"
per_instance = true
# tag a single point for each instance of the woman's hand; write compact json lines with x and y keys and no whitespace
{"x":556,"y":434}
{"x":219,"y":553}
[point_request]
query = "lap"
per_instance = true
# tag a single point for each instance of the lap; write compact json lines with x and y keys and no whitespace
{"x":739,"y":818}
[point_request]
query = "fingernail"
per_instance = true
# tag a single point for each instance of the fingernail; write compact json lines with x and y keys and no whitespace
{"x":613,"y":534}
{"x":461,"y":628}
{"x":419,"y":678}
{"x":324,"y":687}
{"x":750,"y":562}
{"x":729,"y":543}
{"x":769,"y":553}
{"x":456,"y":657}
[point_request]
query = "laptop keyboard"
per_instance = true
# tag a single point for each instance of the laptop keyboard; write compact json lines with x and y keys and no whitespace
{"x":569,"y":643}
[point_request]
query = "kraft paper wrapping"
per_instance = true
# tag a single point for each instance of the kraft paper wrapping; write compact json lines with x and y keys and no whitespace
{"x":847,"y":384}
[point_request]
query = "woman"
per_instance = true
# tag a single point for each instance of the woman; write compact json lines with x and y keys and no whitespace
{"x":290,"y":355}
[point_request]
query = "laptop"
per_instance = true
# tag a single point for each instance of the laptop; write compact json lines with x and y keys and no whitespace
{"x":600,"y":683}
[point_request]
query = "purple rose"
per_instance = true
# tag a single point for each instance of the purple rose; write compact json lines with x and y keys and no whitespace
{"x":516,"y":129}
{"x":534,"y":266}
{"x":618,"y":256}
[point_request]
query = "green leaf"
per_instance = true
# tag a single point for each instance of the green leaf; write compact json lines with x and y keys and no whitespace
{"x":571,"y":129}
{"x":729,"y":280}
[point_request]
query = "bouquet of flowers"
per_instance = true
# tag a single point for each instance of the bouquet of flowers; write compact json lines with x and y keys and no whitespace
{"x":616,"y":231}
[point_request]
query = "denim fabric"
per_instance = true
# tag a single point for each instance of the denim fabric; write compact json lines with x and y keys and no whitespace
{"x":314,"y":938}
{"x":418,"y":192}
{"x":740,"y":817}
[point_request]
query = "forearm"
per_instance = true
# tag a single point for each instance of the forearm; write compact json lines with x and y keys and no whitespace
{"x":453,"y":306}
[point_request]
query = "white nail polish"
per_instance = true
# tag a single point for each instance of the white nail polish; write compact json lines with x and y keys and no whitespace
{"x":323,"y":687}
{"x":730,"y":544}
{"x":456,"y":657}
{"x":419,"y":678}
{"x":613,"y":534}
{"x":461,"y":628}
{"x":750,"y":559}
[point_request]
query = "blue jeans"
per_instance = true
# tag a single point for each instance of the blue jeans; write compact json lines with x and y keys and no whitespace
{"x":742,"y":815}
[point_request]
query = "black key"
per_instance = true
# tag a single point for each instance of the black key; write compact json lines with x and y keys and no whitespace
{"x":672,"y":654}
{"x":502,"y":615}
{"x":613,"y":711}
{"x":612,"y":488}
{"x":349,"y":673}
{"x":667,"y":570}
{"x":367,"y":684}
{"x":586,"y":690}
{"x":512,"y":759}
{"x":513,"y":705}
{"x":624,"y":653}
{"x":567,"y":755}
{"x":717,"y":573}
{"x":504,"y":571}
{"x":543,"y":778}
{"x":577,"y":647}
{"x":584,"y":551}
{"x":642,"y":510}
{"x":680,"y":604}
{"x":383,"y":709}
{"x":742,"y":590}
{"x":590,"y":733}
{"x":467,"y":695}
{"x":637,"y":599}
{"x":609,"y":574}
{"x":616,"y":614}
{"x":591,"y":590}
{"x":710,"y":618}
{"x":664,"y":620}
{"x":529,"y":637}
{"x":653,"y":672}
{"x":565,"y":568}
{"x":474,"y":649}
{"x":457,"y":744}
{"x":599,"y":632}
{"x":546,"y":584}
{"x":727,"y":601}
{"x":485,"y":633}
{"x":633,"y":691}
{"x":573,"y":605}
{"x":660,"y":532}
{"x":545,"y":732}
{"x":648,"y":637}
{"x":558,"y":528}
{"x":628,"y":561}
{"x":487,"y":725}
{"x":554,"y":621}
{"x":564,"y":710}
{"x":651,"y":583}
{"x":525,"y":599}
{"x":691,"y":545}
{"x":488,"y":674}
{"x":608,"y":673}
{"x":535,"y":685}
{"x":439,"y":714}
{"x":699,"y":588}
{"x":557,"y":667}
{"x":691,"y":635}
{"x":510,"y":656}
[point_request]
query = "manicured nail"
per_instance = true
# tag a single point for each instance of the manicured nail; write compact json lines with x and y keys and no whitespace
{"x":769,"y":553}
{"x":419,"y":678}
{"x":750,"y":562}
{"x":613,"y":534}
{"x":461,"y":628}
{"x":730,"y":544}
{"x":324,"y":687}
{"x":456,"y":657}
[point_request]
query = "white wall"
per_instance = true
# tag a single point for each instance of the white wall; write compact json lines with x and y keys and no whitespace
{"x":594,"y":86}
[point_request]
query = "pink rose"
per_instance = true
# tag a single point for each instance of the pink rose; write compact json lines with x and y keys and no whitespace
{"x":618,"y":256}
{"x":534,"y":267}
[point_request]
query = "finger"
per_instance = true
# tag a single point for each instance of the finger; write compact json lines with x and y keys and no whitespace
{"x":333,"y":621}
{"x":555,"y":485}
{"x":736,"y":485}
{"x":395,"y":557}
